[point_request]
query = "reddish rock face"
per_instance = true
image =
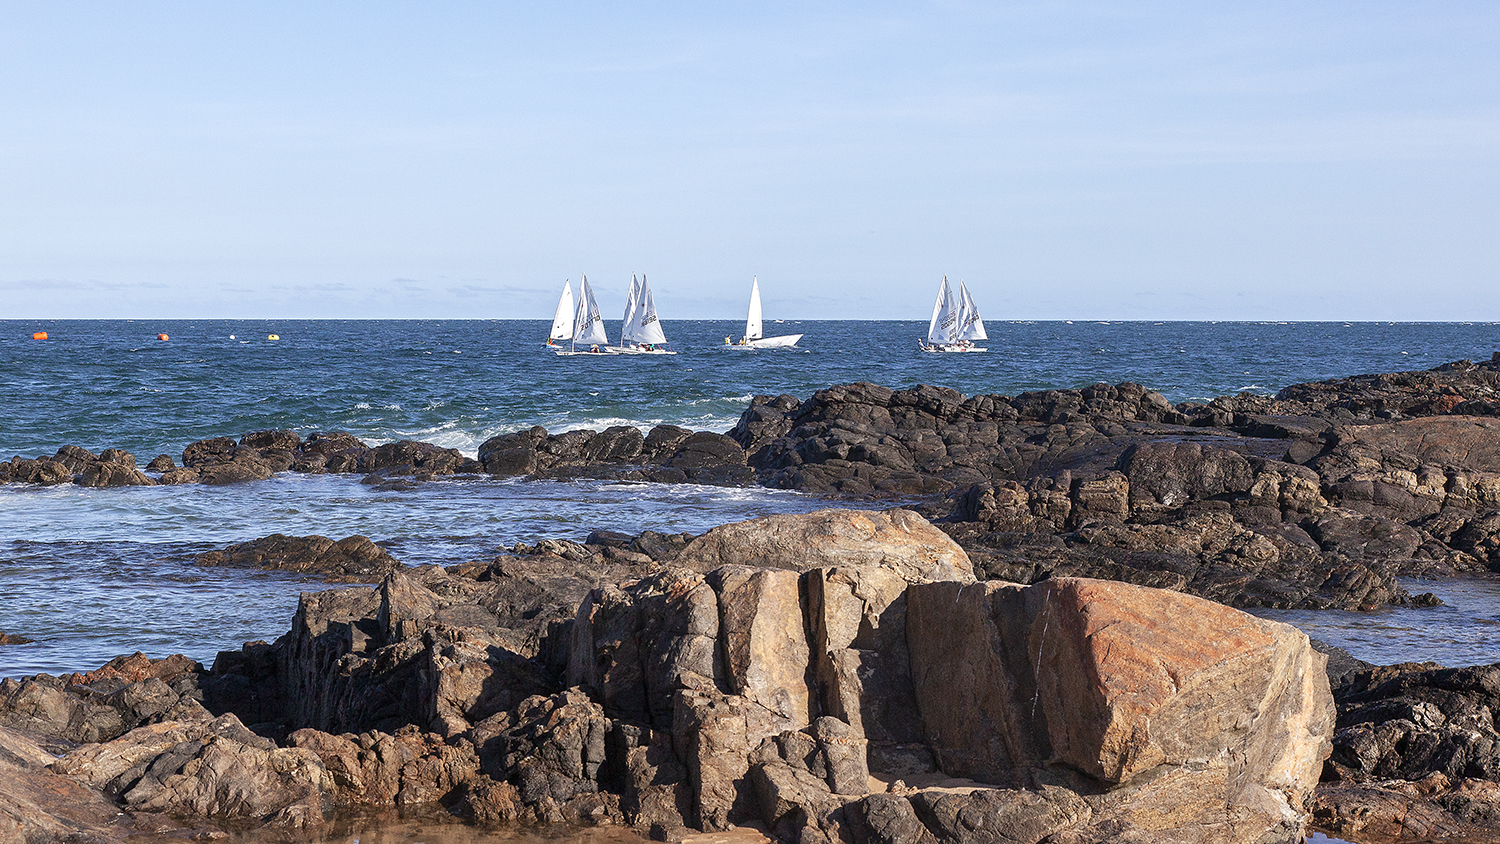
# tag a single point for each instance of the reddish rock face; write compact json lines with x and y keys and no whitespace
{"x":1132,"y":678}
{"x":1172,"y":704}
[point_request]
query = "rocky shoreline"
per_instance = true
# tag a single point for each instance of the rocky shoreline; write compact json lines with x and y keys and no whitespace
{"x":846,"y":675}
{"x":1317,"y":498}
{"x":835,"y":676}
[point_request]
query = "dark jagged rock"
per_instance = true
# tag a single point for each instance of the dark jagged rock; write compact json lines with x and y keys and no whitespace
{"x":111,"y":474}
{"x":668,"y":454}
{"x":209,"y":451}
{"x":415,"y":458}
{"x":178,"y":476}
{"x":551,"y":750}
{"x":1408,"y":721}
{"x":276,"y":440}
{"x":1416,"y":752}
{"x":333,"y":442}
{"x":161,"y":463}
{"x":244,"y":467}
{"x":43,"y":471}
{"x":1209,"y":555}
{"x":353,"y":557}
{"x":1434,"y":392}
{"x":13,"y":639}
{"x":427,"y":647}
{"x":513,"y":454}
{"x":75,"y":458}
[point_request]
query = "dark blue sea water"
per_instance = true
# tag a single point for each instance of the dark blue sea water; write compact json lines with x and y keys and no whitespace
{"x":90,"y":574}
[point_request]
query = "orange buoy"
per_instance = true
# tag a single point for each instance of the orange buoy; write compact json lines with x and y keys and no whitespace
{"x":162,"y":337}
{"x":39,"y":335}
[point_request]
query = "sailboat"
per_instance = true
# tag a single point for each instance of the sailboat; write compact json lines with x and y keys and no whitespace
{"x":753,"y":338}
{"x":562,"y":320}
{"x":955,"y":322}
{"x":641,"y":334}
{"x":588,"y":325}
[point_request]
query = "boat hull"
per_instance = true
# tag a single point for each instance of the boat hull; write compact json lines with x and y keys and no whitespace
{"x":951,"y":347}
{"x":785,"y":341}
{"x":636,"y":350}
{"x":782,"y":342}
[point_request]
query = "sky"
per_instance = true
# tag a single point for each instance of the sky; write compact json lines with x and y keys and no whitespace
{"x":1084,"y":160}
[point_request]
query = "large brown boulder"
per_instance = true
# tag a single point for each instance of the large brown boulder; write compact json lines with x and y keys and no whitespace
{"x":1177,"y":707}
{"x":898,"y":540}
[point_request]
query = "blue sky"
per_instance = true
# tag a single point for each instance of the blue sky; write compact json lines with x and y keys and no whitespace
{"x":1068,"y":160}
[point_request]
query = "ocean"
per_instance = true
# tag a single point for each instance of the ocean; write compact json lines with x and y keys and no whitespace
{"x":91,"y":574}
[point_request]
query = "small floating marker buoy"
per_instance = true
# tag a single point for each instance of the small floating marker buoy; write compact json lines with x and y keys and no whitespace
{"x":273,"y":336}
{"x":231,"y":336}
{"x":39,"y":335}
{"x":162,"y":337}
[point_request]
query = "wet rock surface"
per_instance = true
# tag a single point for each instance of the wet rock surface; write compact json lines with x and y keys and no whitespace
{"x":350,"y":558}
{"x":1318,"y":497}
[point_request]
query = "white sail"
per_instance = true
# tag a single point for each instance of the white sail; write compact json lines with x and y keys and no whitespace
{"x":944,"y":325}
{"x":650,"y":327}
{"x":562,"y":321}
{"x":970,"y":326}
{"x":752,"y":322}
{"x":588,"y":324}
{"x":630,"y":327}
